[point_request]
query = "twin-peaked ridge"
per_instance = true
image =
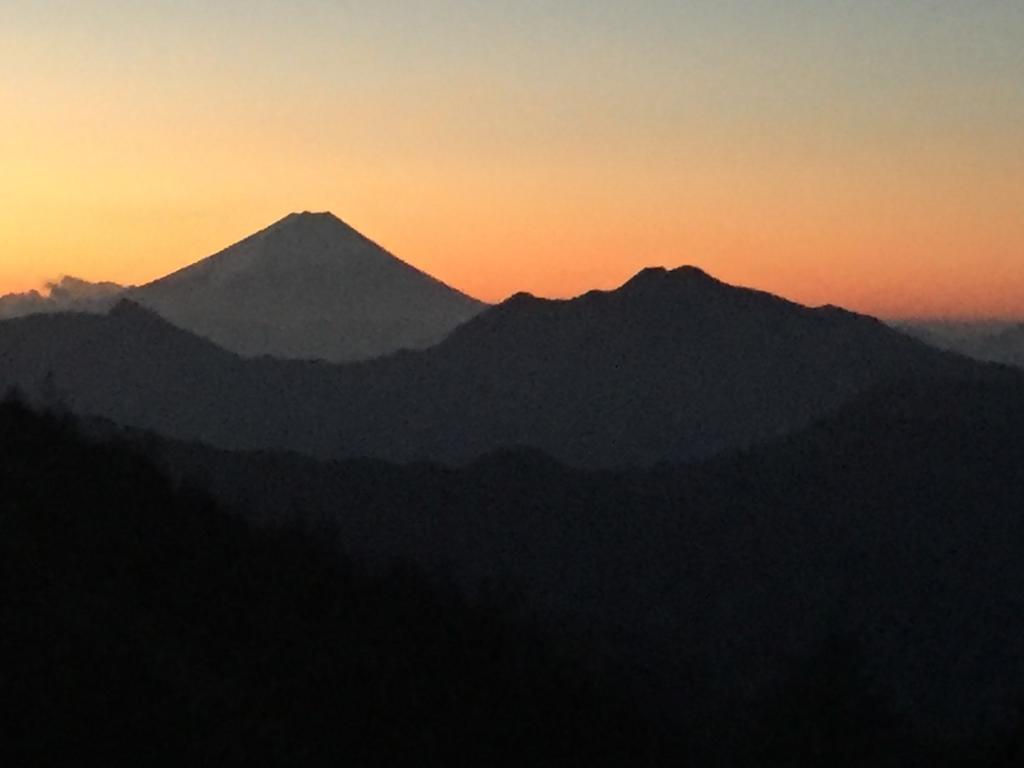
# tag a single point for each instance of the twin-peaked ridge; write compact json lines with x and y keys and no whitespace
{"x":672,"y":366}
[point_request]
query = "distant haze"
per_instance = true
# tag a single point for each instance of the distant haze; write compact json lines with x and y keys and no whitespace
{"x":997,"y":342}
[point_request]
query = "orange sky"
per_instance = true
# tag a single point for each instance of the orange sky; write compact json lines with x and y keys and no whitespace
{"x":858,"y":158}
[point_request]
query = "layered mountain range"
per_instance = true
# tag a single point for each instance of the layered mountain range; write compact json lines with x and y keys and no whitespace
{"x":674,"y":365}
{"x":895,"y":521}
{"x":784,"y":528}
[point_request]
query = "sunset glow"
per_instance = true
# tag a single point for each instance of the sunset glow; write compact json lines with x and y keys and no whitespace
{"x":867,"y":154}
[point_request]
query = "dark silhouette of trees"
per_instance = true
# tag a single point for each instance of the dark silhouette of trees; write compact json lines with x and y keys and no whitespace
{"x":824,"y":711}
{"x":142,"y":624}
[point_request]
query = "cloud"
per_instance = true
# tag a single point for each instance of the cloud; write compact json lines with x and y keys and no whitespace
{"x":68,"y":294}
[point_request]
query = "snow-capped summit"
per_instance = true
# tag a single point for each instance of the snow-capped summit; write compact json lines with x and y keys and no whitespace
{"x":309,"y":286}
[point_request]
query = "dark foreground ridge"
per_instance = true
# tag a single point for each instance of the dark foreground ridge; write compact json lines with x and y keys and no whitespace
{"x":863,"y":555}
{"x":803,"y":605}
{"x":143,"y":625}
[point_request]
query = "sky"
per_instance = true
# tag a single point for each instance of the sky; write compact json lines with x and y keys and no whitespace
{"x":855,"y":152}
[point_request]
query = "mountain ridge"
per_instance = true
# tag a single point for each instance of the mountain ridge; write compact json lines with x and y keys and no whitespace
{"x":608,"y":379}
{"x":751,"y":556}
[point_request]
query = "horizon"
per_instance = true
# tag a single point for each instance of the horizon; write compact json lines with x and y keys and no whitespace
{"x":856,"y":154}
{"x":995,"y":321}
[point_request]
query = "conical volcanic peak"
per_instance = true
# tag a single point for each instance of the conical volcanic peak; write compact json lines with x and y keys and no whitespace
{"x":309,"y":286}
{"x":299,"y":240}
{"x":324,"y":226}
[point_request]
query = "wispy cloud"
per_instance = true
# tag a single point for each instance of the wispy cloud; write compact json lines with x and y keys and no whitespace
{"x":68,"y":294}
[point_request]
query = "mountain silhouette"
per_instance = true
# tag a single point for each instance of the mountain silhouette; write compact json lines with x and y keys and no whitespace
{"x":1007,"y":346}
{"x":992,"y":342}
{"x":890,"y":520}
{"x":135,"y":368}
{"x":138,"y":613}
{"x":308,"y":286}
{"x":672,"y":366}
{"x":895,"y":520}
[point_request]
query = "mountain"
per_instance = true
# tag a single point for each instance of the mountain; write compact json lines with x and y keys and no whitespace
{"x":134,"y":367}
{"x":839,"y":595}
{"x":672,"y":366}
{"x":894,"y":523}
{"x":69,"y":294}
{"x":1007,"y":346}
{"x":137,"y":613}
{"x":995,"y":342}
{"x":846,"y":596}
{"x":308,"y":286}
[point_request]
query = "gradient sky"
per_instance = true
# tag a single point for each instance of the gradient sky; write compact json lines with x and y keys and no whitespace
{"x":857,"y":152}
